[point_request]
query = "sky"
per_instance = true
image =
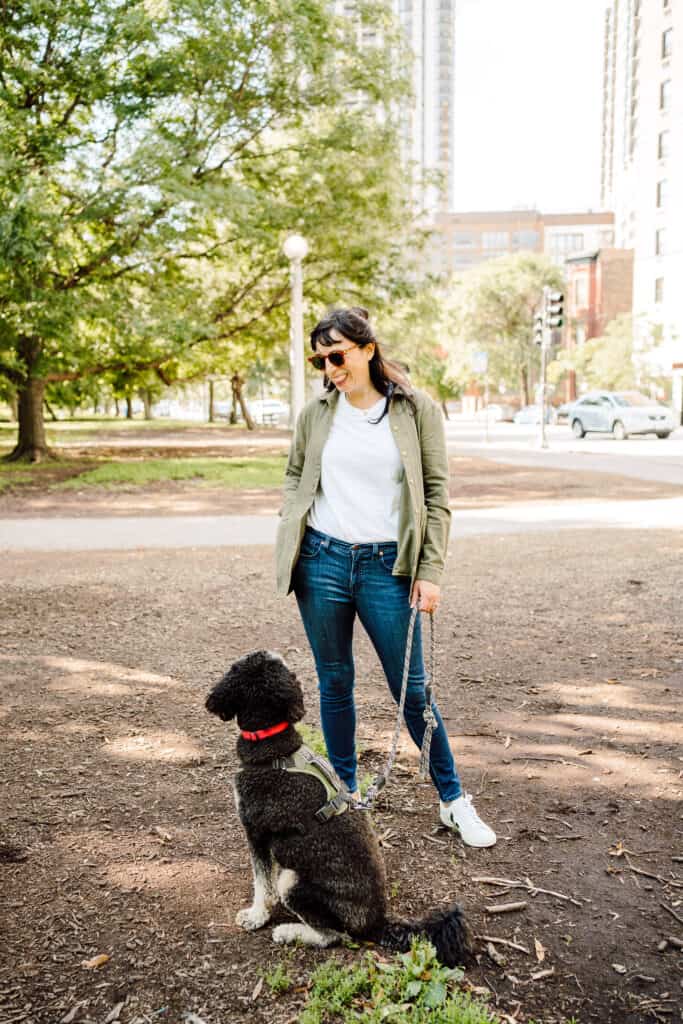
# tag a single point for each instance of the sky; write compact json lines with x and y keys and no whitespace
{"x":528,"y":104}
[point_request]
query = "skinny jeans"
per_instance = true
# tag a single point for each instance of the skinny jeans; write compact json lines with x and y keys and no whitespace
{"x":333,"y":582}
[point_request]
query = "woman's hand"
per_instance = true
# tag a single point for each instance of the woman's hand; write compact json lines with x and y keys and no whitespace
{"x":425,"y":595}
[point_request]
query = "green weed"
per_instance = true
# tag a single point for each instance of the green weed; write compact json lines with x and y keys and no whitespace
{"x":313,"y":738}
{"x":278,"y":980}
{"x":413,"y":988}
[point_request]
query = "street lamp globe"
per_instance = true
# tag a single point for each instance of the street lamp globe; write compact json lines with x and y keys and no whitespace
{"x":295,"y":247}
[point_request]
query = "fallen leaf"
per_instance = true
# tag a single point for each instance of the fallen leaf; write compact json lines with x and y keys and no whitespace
{"x":540,"y":951}
{"x":508,"y":741}
{"x":257,"y":989}
{"x":497,"y":957}
{"x":97,"y":961}
{"x":165,"y":837}
{"x":613,"y":682}
{"x":71,"y":1015}
{"x":114,"y":1014}
{"x":619,"y":968}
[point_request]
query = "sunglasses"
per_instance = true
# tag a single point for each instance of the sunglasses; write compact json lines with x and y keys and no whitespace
{"x":336,"y":358}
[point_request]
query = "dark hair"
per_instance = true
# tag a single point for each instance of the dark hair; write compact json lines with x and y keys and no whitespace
{"x":387,"y":376}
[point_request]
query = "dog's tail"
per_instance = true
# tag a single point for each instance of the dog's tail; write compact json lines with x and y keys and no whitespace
{"x":445,"y":929}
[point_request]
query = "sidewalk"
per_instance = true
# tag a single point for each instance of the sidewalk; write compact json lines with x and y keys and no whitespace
{"x":125,"y":533}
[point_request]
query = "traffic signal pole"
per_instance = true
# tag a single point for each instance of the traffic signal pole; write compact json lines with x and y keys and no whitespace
{"x":547,"y":319}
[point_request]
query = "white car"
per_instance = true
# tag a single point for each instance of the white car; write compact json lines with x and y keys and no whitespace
{"x":269,"y":411}
{"x":620,"y":413}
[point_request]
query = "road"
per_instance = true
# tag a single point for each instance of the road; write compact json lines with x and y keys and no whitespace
{"x":644,"y":458}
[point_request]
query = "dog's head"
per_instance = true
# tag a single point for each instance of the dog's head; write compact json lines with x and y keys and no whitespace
{"x":258,"y":690}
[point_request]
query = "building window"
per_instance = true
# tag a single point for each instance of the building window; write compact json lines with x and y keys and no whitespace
{"x":495,"y":239}
{"x":581,"y":292}
{"x":463,"y":239}
{"x":666,"y":4}
{"x":665,"y":95}
{"x":659,"y":289}
{"x":662,"y":193}
{"x":667,"y":43}
{"x":660,"y":241}
{"x":663,"y":145}
{"x":525,"y":239}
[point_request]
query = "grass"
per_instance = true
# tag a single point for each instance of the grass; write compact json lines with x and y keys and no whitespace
{"x":238,"y":474}
{"x":411,"y":988}
{"x":91,"y":426}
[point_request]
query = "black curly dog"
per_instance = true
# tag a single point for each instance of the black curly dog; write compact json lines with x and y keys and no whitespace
{"x":330,"y":874}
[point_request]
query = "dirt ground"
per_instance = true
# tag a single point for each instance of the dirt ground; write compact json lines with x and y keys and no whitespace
{"x":560,"y":677}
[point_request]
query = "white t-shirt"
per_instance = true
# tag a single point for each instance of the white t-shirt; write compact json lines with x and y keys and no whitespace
{"x":360,"y":477}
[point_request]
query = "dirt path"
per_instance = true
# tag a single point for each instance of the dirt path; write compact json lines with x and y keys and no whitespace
{"x":560,"y":677}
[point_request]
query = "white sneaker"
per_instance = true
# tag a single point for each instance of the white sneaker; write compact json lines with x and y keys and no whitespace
{"x":460,"y":814}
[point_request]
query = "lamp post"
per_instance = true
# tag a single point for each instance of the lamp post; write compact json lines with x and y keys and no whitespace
{"x":296,"y":249}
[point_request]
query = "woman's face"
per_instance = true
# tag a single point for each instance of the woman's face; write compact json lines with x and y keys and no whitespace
{"x":354,"y":375}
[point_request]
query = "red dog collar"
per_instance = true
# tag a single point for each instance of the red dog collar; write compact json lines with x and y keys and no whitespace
{"x":263,"y":734}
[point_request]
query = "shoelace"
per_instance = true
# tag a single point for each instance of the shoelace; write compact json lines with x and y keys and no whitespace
{"x":467,"y":799}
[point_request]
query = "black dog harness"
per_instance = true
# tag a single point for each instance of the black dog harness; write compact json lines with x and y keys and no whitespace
{"x":306,"y":762}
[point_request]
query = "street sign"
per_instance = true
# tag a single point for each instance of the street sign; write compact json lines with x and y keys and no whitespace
{"x":480,"y":362}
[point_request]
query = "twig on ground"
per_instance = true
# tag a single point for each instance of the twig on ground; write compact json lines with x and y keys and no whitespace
{"x":555,"y":760}
{"x":504,"y":942}
{"x":671,"y":911}
{"x":539,"y":975}
{"x":529,"y":886}
{"x":506,"y":908}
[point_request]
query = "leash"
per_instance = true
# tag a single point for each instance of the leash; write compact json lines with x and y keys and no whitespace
{"x":381,"y":780}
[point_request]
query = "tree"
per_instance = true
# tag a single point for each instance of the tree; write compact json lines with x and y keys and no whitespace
{"x":154,"y":155}
{"x":494,"y":306}
{"x":609,"y":362}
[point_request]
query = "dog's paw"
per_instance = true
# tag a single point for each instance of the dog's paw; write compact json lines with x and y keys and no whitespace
{"x":285,"y":933}
{"x":252,"y":918}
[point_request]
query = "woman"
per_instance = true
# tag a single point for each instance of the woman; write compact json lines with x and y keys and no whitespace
{"x":364,"y":531}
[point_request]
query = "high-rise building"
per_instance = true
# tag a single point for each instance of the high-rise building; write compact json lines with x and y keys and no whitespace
{"x":642,"y":159}
{"x":427,"y":119}
{"x":428,"y":123}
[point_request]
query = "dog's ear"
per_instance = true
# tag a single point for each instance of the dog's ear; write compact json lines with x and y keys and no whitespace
{"x":222,"y":699}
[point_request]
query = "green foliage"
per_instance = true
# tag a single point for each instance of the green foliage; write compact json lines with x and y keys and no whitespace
{"x":493,"y":312}
{"x":153,"y":156}
{"x":239,"y":474}
{"x":413,"y":987}
{"x":608,"y":362}
{"x":313,"y":738}
{"x":278,"y":980}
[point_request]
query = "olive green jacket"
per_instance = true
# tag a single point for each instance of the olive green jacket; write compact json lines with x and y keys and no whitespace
{"x":424,"y":515}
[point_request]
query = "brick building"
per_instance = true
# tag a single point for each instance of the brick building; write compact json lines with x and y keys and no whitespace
{"x":599,"y":288}
{"x":464,"y":240}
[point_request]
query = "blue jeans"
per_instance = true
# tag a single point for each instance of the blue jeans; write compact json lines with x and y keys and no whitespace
{"x":333,"y":581}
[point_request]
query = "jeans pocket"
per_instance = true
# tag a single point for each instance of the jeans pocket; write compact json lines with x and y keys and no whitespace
{"x":310,"y":546}
{"x":387,"y":557}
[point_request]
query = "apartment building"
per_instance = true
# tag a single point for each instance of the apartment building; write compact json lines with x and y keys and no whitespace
{"x":464,"y":240}
{"x":642,"y":160}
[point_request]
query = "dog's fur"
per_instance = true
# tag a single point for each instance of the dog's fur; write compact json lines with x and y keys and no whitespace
{"x":330,"y":874}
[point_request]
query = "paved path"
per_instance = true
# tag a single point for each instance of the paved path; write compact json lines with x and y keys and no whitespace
{"x":220,"y":531}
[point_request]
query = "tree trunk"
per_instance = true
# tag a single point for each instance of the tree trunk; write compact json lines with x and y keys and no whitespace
{"x":116,"y":407}
{"x":51,"y":413}
{"x":13,"y":407}
{"x":212,"y":415}
{"x":524,"y":387}
{"x":31,"y":444}
{"x":129,"y":407}
{"x":237,"y":383}
{"x":444,"y":407}
{"x":146,"y":396}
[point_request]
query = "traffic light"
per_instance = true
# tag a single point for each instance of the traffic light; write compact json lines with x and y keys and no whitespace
{"x":554,"y":309}
{"x":538,"y":328}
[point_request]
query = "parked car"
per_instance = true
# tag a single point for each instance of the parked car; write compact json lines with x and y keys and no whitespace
{"x":620,"y":413}
{"x":269,"y":411}
{"x":563,"y":411}
{"x":532,"y":414}
{"x":495,"y":412}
